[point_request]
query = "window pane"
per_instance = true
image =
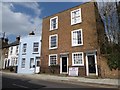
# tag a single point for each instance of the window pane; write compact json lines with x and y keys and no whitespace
{"x":77,"y":58}
{"x":23,"y":63}
{"x":76,"y":16}
{"x":31,"y":62}
{"x":53,"y":41}
{"x":53,"y":60}
{"x":24,"y":47}
{"x":35,"y":47}
{"x":77,"y":37}
{"x":53,"y":23}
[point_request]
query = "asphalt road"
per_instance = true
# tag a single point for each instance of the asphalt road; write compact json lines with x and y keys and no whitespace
{"x":9,"y":82}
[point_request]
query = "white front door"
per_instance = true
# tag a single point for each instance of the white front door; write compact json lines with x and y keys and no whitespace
{"x":91,"y":64}
{"x":37,"y":66}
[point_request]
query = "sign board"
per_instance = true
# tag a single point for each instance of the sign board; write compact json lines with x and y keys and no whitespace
{"x":73,"y":71}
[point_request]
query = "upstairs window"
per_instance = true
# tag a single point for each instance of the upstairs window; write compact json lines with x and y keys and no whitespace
{"x":77,"y":38}
{"x":11,"y":50}
{"x":53,"y":41}
{"x":52,"y":59}
{"x":54,"y":23}
{"x":16,"y":49}
{"x":35,"y":46}
{"x":76,"y":16}
{"x":24,"y":48}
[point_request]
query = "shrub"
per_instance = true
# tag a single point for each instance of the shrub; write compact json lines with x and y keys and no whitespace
{"x":11,"y":68}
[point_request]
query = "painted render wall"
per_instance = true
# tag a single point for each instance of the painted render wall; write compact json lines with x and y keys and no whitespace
{"x":29,"y":53}
{"x":13,"y":55}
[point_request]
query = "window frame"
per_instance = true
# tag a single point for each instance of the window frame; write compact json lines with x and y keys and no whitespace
{"x":56,"y":41}
{"x":31,"y":63}
{"x":24,"y":48}
{"x":73,"y":23}
{"x":49,"y":64}
{"x":73,"y":45}
{"x":73,"y":63}
{"x":51,"y":28}
{"x":35,"y":47}
{"x":22,"y":63}
{"x":11,"y":50}
{"x":17,"y":47}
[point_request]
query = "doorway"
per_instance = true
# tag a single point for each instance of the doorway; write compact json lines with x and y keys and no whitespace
{"x":91,"y":64}
{"x":37,"y":68}
{"x":64,"y":65}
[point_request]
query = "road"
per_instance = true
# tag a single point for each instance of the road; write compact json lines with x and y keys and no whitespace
{"x":10,"y":82}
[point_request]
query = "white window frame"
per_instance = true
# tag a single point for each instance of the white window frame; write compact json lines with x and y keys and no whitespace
{"x":51,"y":28}
{"x":56,"y":59}
{"x":11,"y":50}
{"x":24,"y":48}
{"x":17,"y":49}
{"x":22,"y":63}
{"x":81,"y":37}
{"x":56,"y":41}
{"x":73,"y":64}
{"x":72,"y":23}
{"x":35,"y":47}
{"x":32,"y":63}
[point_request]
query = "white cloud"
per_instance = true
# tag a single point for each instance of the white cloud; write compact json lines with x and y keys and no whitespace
{"x":18,"y":23}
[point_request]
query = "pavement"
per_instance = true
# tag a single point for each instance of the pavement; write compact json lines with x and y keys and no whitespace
{"x":104,"y":83}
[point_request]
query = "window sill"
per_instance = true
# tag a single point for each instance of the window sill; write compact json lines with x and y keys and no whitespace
{"x":31,"y":68}
{"x":22,"y":68}
{"x":76,"y":23}
{"x":53,"y":29}
{"x":35,"y":53}
{"x":52,"y":48}
{"x":77,"y":45}
{"x":23,"y":53}
{"x":78,"y":65}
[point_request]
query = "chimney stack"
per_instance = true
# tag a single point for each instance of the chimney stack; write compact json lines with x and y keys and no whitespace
{"x":32,"y":33}
{"x":18,"y":38}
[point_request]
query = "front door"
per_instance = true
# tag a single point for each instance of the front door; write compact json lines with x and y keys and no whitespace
{"x":37,"y":68}
{"x":64,"y":64}
{"x":91,"y":64}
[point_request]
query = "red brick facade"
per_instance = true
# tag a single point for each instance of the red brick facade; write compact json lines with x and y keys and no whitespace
{"x":90,"y":25}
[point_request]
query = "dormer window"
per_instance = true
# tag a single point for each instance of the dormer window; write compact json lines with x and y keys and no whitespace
{"x":54,"y":23}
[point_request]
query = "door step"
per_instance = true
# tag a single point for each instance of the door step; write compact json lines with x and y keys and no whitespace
{"x":92,"y":77}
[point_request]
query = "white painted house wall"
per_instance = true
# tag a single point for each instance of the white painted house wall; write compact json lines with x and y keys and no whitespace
{"x":12,"y":59}
{"x":24,"y":65}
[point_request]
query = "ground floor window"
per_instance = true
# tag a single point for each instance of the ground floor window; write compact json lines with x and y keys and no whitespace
{"x":31,"y":62}
{"x":23,"y":63}
{"x":77,"y":59}
{"x":52,"y":59}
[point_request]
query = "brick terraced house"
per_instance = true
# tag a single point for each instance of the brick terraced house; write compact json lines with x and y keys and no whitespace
{"x":71,"y":39}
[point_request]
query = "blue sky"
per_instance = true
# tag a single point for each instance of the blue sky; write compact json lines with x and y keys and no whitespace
{"x":19,"y":18}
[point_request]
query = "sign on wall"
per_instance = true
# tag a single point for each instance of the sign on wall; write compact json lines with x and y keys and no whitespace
{"x":73,"y":71}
